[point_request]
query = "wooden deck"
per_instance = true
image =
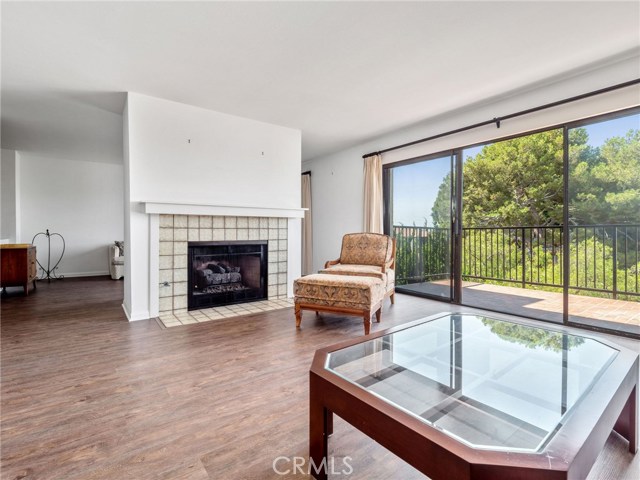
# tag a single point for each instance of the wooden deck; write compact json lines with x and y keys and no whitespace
{"x":616,"y":314}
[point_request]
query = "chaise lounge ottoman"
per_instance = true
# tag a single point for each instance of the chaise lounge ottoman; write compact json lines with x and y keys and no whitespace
{"x":346,"y":294}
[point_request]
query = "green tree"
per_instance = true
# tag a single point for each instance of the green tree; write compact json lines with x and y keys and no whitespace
{"x":520,"y":182}
{"x":511,"y":183}
{"x":604,"y":183}
{"x":441,"y":210}
{"x":515,"y":182}
{"x":531,"y":337}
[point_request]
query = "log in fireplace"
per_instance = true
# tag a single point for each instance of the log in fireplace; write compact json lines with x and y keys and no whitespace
{"x":224,"y":273}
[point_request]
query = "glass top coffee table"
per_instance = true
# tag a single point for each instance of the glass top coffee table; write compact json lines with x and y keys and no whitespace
{"x":467,"y":396}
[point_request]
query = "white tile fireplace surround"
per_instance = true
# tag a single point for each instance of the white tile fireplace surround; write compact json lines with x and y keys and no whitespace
{"x":173,"y":225}
{"x":177,"y":230}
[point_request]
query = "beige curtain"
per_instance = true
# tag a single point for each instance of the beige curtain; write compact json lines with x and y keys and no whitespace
{"x":373,"y":194}
{"x":307,"y":234}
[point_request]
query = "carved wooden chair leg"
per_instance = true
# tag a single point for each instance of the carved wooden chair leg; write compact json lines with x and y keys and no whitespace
{"x":298,"y":316}
{"x":393,"y":298}
{"x":378,"y":314}
{"x":367,"y":322}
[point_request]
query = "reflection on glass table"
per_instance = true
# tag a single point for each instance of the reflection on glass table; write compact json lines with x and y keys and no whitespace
{"x":489,"y":384}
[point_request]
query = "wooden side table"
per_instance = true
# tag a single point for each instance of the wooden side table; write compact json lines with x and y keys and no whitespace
{"x":18,"y":266}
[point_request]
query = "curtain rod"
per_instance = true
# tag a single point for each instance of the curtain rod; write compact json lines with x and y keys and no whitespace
{"x":308,"y":172}
{"x":497,"y":120}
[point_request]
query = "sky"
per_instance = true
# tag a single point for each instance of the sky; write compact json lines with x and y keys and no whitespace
{"x":415,"y":186}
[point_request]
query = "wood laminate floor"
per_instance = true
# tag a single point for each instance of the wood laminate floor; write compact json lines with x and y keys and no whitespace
{"x":87,"y":395}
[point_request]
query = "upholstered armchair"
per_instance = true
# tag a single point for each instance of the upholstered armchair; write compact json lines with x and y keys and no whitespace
{"x":116,"y":260}
{"x":368,"y":255}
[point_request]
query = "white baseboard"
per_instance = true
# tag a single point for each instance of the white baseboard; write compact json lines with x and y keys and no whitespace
{"x":137,"y":316}
{"x":81,"y":274}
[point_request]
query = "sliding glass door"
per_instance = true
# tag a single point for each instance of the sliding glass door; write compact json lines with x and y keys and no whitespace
{"x":418,"y":214}
{"x":604,"y":224}
{"x":512,"y":226}
{"x":549,"y":225}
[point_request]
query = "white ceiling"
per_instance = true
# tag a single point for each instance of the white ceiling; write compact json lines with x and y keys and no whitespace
{"x":340,"y":72}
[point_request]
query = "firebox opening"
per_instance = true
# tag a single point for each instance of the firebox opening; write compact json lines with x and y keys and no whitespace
{"x":224,"y":273}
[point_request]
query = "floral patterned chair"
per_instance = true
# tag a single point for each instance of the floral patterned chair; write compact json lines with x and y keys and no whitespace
{"x":355,"y":284}
{"x":367,"y":255}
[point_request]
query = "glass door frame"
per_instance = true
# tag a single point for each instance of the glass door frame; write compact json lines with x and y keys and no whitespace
{"x":454,"y":206}
{"x":566,"y":280}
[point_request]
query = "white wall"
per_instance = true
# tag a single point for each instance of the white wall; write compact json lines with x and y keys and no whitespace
{"x":81,"y":200}
{"x":336,"y":201}
{"x":337,"y":179}
{"x":9,"y":198}
{"x":184,"y":154}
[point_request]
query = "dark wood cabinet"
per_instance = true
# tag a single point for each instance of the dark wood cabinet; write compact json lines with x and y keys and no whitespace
{"x":19,"y":267}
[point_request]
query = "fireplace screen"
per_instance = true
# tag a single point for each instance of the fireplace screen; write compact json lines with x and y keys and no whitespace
{"x":224,"y":273}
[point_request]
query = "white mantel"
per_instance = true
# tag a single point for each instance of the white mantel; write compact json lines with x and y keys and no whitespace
{"x":167,"y":208}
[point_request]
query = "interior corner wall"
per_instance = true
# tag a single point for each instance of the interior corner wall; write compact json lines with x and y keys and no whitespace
{"x":9,"y":196}
{"x":336,"y":201}
{"x":81,"y":200}
{"x":337,"y":179}
{"x":128,"y":285}
{"x":179,"y":153}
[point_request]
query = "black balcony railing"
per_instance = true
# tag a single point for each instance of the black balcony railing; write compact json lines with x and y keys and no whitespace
{"x":602,"y":258}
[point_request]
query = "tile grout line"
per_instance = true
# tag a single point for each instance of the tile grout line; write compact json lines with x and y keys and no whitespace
{"x":188,"y":318}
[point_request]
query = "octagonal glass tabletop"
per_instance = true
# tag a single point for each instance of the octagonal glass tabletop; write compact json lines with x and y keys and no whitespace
{"x":490,"y":384}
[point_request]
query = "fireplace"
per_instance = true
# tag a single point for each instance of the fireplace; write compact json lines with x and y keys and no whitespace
{"x":224,"y":273}
{"x":175,"y":231}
